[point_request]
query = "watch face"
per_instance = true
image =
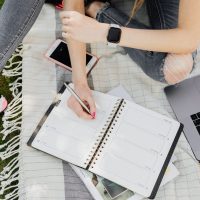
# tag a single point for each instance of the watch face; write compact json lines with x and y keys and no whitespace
{"x":114,"y":35}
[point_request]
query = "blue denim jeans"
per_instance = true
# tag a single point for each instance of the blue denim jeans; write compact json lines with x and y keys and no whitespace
{"x":16,"y":19}
{"x":163,"y":14}
{"x":18,"y":16}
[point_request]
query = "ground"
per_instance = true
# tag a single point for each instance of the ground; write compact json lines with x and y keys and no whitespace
{"x":4,"y":90}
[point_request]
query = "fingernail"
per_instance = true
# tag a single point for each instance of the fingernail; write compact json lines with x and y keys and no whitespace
{"x":93,"y":115}
{"x":63,"y":34}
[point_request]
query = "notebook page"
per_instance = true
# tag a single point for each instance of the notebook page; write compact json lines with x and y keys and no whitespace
{"x":70,"y":138}
{"x":136,"y":149}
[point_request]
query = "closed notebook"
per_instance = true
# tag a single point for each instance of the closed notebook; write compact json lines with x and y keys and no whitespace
{"x":126,"y":143}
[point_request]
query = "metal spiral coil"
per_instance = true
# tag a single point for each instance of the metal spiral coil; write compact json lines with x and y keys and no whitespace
{"x":115,"y":117}
{"x":102,"y":134}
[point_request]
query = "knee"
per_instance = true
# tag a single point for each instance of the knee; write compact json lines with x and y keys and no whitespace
{"x":177,"y":67}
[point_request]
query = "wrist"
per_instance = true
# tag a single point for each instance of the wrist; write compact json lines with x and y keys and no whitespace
{"x":81,"y":87}
{"x":79,"y":82}
{"x":102,"y":32}
{"x":79,"y":76}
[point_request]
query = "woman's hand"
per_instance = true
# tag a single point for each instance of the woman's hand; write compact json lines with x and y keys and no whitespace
{"x":82,"y":28}
{"x":84,"y":92}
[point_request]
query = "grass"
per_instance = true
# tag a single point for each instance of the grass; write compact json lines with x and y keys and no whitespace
{"x":4,"y":82}
{"x":4,"y":90}
{"x":1,"y":3}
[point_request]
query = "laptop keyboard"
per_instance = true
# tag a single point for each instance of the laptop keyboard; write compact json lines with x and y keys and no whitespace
{"x":196,"y":120}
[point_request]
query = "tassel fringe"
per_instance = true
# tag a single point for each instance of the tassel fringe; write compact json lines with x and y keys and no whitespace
{"x":12,"y":121}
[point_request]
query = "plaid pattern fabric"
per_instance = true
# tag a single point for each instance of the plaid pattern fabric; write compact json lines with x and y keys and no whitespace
{"x":45,"y":177}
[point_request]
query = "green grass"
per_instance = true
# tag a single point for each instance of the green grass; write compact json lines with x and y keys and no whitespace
{"x":1,"y":3}
{"x":4,"y":89}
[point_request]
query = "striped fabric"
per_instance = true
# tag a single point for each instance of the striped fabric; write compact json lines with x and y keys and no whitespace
{"x":44,"y":177}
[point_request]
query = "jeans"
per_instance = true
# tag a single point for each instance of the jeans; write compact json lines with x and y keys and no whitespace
{"x":163,"y":14}
{"x":16,"y":19}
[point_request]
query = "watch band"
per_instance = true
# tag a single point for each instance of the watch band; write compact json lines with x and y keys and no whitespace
{"x":113,"y":44}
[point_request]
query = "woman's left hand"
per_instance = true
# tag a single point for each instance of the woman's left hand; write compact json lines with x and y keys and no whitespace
{"x":82,"y":28}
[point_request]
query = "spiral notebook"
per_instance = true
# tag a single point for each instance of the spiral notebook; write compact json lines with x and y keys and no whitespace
{"x":126,"y":143}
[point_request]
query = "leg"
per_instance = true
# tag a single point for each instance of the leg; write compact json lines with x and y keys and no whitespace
{"x":176,"y":67}
{"x":16,"y":19}
{"x":150,"y":62}
{"x":163,"y":14}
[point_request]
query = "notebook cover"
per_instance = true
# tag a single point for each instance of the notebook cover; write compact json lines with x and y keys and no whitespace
{"x":45,"y":117}
{"x":165,"y":165}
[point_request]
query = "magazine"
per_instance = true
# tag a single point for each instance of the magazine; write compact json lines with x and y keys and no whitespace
{"x":103,"y":189}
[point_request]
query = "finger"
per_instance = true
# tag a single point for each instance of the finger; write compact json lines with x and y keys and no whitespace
{"x":79,"y":111}
{"x":66,"y":29}
{"x":66,"y":35}
{"x":92,"y":106}
{"x":65,"y":21}
{"x":76,"y":107}
{"x":86,"y":103}
{"x":65,"y":14}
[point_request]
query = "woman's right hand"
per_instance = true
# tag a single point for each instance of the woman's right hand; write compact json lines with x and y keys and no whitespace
{"x":84,"y":92}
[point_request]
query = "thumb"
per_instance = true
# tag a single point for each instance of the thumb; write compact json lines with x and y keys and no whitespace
{"x":66,"y":35}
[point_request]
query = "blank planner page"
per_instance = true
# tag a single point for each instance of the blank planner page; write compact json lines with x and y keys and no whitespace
{"x":136,"y":149}
{"x":70,"y":138}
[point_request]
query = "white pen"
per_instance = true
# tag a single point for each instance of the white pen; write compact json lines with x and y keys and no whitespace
{"x":72,"y":92}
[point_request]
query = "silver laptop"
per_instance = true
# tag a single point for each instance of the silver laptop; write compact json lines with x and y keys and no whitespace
{"x":184,"y":99}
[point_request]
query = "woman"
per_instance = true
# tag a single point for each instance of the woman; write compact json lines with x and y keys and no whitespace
{"x":163,"y":50}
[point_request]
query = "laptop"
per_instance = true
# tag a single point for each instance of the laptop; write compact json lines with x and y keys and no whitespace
{"x":184,"y":99}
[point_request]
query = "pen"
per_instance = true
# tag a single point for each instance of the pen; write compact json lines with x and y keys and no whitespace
{"x":72,"y":92}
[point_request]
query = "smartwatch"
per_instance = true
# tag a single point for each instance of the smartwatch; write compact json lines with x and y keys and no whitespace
{"x":114,"y":35}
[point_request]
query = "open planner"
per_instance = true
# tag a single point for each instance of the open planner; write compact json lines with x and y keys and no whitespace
{"x":126,"y":143}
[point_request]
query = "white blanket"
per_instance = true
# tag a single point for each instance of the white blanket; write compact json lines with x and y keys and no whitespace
{"x":45,"y":177}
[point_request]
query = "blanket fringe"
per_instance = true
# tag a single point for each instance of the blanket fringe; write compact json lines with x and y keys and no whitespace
{"x":12,"y":121}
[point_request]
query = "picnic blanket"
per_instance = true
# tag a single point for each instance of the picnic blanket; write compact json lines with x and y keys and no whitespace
{"x":44,"y":177}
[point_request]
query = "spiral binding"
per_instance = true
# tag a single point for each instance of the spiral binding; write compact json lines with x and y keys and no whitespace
{"x":105,"y":134}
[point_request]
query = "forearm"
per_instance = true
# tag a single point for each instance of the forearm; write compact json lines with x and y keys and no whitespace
{"x":183,"y":39}
{"x":171,"y":40}
{"x":77,"y":49}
